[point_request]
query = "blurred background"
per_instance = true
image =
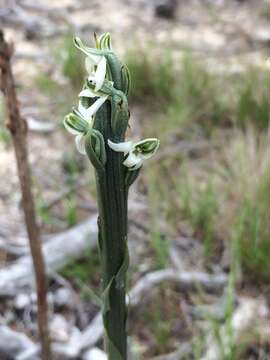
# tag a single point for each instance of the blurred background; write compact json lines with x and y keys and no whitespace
{"x":200,"y":83}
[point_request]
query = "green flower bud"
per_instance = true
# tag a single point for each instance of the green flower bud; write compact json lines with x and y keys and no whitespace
{"x":119,"y":113}
{"x":125,"y":75}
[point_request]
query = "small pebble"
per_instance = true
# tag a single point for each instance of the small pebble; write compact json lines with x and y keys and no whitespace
{"x":63,"y":297}
{"x":22,"y":301}
{"x":94,"y":354}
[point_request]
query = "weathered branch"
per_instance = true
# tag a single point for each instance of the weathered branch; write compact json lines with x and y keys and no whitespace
{"x":185,"y":280}
{"x":61,"y":248}
{"x":13,"y":343}
{"x":18,"y":130}
{"x":58,"y":250}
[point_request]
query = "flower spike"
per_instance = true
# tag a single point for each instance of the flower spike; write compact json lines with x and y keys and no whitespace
{"x":101,"y":137}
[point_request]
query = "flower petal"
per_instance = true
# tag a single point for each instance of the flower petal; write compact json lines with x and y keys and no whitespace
{"x":83,"y":111}
{"x":87,"y":93}
{"x":100,"y":73}
{"x":124,"y":147}
{"x":136,"y":167}
{"x":132,"y":160}
{"x":80,"y":143}
{"x":89,"y":65}
{"x":94,"y":108}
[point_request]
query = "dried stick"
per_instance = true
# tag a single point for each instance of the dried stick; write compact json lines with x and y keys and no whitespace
{"x":18,"y":130}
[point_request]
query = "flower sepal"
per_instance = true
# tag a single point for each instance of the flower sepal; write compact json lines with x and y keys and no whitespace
{"x":75,"y":124}
{"x":103,"y":42}
{"x":94,"y":54}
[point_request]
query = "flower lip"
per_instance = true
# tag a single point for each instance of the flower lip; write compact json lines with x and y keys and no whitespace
{"x":132,"y":160}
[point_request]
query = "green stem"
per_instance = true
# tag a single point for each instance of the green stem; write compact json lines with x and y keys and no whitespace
{"x":112,"y":203}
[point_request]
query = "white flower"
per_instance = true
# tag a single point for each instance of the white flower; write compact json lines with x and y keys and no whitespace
{"x":76,"y":125}
{"x":136,"y":153}
{"x":95,"y":64}
{"x":81,"y":121}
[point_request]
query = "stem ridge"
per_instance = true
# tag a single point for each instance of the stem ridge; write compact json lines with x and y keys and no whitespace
{"x":112,"y":203}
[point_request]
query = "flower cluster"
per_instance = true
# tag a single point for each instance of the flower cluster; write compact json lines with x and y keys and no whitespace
{"x":81,"y":120}
{"x":97,"y":90}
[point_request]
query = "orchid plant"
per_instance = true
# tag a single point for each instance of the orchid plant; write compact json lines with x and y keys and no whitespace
{"x":99,"y":123}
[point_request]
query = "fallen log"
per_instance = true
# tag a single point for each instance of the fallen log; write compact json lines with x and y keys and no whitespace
{"x":14,"y":343}
{"x":186,"y":280}
{"x":12,"y":249}
{"x":58,"y":250}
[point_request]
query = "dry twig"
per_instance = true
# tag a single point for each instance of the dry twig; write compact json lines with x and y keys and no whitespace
{"x":18,"y":130}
